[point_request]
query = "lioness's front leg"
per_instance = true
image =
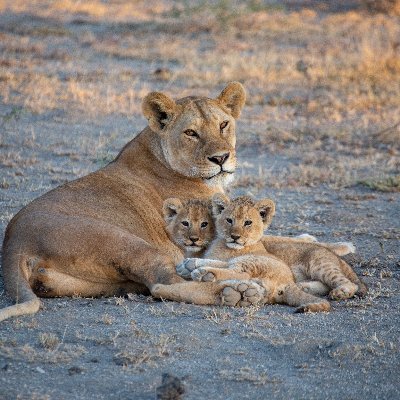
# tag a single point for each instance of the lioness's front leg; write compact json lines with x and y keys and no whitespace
{"x":225,"y":293}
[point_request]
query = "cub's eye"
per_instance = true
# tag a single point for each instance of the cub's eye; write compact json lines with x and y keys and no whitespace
{"x":223,"y":125}
{"x":204,"y":224}
{"x":229,"y":220}
{"x":191,"y":133}
{"x":248,"y":223}
{"x":185,"y":223}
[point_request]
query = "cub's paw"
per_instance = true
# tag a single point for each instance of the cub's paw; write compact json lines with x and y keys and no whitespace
{"x":203,"y":275}
{"x":314,"y":307}
{"x":362,"y":290}
{"x":307,"y":238}
{"x":185,"y":268}
{"x":242,"y":293}
{"x":343,"y":292}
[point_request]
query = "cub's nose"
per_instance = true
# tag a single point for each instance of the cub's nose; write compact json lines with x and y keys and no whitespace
{"x":235,"y":237}
{"x":219,"y":159}
{"x":194,"y":239}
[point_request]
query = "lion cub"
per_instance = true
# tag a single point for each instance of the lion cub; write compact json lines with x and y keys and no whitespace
{"x":237,"y":253}
{"x":316,"y":269}
{"x":189,"y":225}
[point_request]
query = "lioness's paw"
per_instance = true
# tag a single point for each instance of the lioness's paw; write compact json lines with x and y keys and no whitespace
{"x":343,"y":292}
{"x":202,"y":275}
{"x":185,"y":268}
{"x":242,"y":293}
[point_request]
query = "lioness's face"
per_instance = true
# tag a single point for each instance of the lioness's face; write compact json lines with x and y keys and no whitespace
{"x":189,"y":224}
{"x":198,"y":134}
{"x":241,"y":222}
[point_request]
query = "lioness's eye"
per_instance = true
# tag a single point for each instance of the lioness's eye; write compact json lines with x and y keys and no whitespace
{"x":223,"y":125}
{"x":185,"y":223}
{"x":204,"y":224}
{"x":191,"y":132}
{"x":248,"y":223}
{"x":229,"y":220}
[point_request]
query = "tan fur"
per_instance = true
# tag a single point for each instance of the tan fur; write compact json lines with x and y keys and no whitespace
{"x":238,"y":253}
{"x":189,"y":225}
{"x":313,"y":261}
{"x":104,"y":233}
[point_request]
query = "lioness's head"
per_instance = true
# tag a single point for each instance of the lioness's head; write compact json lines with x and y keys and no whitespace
{"x":189,"y":223}
{"x":241,"y":222}
{"x":197,"y":134}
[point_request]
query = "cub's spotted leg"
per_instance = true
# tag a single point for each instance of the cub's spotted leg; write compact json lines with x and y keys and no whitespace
{"x":326,"y":267}
{"x":187,"y":266}
{"x":316,"y":288}
{"x":305,"y":302}
{"x":225,"y":293}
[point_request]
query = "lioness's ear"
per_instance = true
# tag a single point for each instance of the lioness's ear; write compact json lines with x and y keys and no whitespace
{"x":159,"y":109}
{"x":266,"y":209}
{"x":219,"y":203}
{"x":171,"y":207}
{"x":233,"y":97}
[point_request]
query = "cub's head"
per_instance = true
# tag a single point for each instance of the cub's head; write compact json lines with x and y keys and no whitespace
{"x":241,"y":222}
{"x":189,"y":223}
{"x":197,"y":134}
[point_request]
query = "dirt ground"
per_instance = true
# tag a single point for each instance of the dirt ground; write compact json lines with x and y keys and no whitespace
{"x":320,"y":134}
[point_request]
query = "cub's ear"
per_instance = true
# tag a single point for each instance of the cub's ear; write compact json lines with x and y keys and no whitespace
{"x":233,"y":98}
{"x":171,"y":207}
{"x":219,"y":203}
{"x":266,"y":209}
{"x":209,"y":205}
{"x":159,"y":109}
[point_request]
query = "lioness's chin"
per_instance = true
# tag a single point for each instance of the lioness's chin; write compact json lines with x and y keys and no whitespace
{"x":223,"y":179}
{"x":235,"y":246}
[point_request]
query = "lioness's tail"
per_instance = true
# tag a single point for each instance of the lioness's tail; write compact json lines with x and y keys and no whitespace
{"x":17,"y":286}
{"x":340,"y":248}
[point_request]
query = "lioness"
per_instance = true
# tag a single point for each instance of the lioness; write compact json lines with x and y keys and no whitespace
{"x":239,"y":231}
{"x":238,"y":253}
{"x":104,"y":232}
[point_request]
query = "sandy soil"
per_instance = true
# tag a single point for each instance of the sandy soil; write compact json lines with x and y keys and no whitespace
{"x":319,"y":135}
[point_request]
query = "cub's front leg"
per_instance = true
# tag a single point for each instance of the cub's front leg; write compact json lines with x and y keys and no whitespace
{"x":188,"y":265}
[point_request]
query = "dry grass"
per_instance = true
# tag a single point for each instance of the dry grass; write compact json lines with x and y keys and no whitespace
{"x":390,"y":184}
{"x":49,"y":341}
{"x":383,"y":6}
{"x":151,"y":353}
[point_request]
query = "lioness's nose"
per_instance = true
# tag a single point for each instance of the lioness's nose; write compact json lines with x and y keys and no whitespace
{"x":219,"y":159}
{"x":194,"y":239}
{"x":235,"y":237}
